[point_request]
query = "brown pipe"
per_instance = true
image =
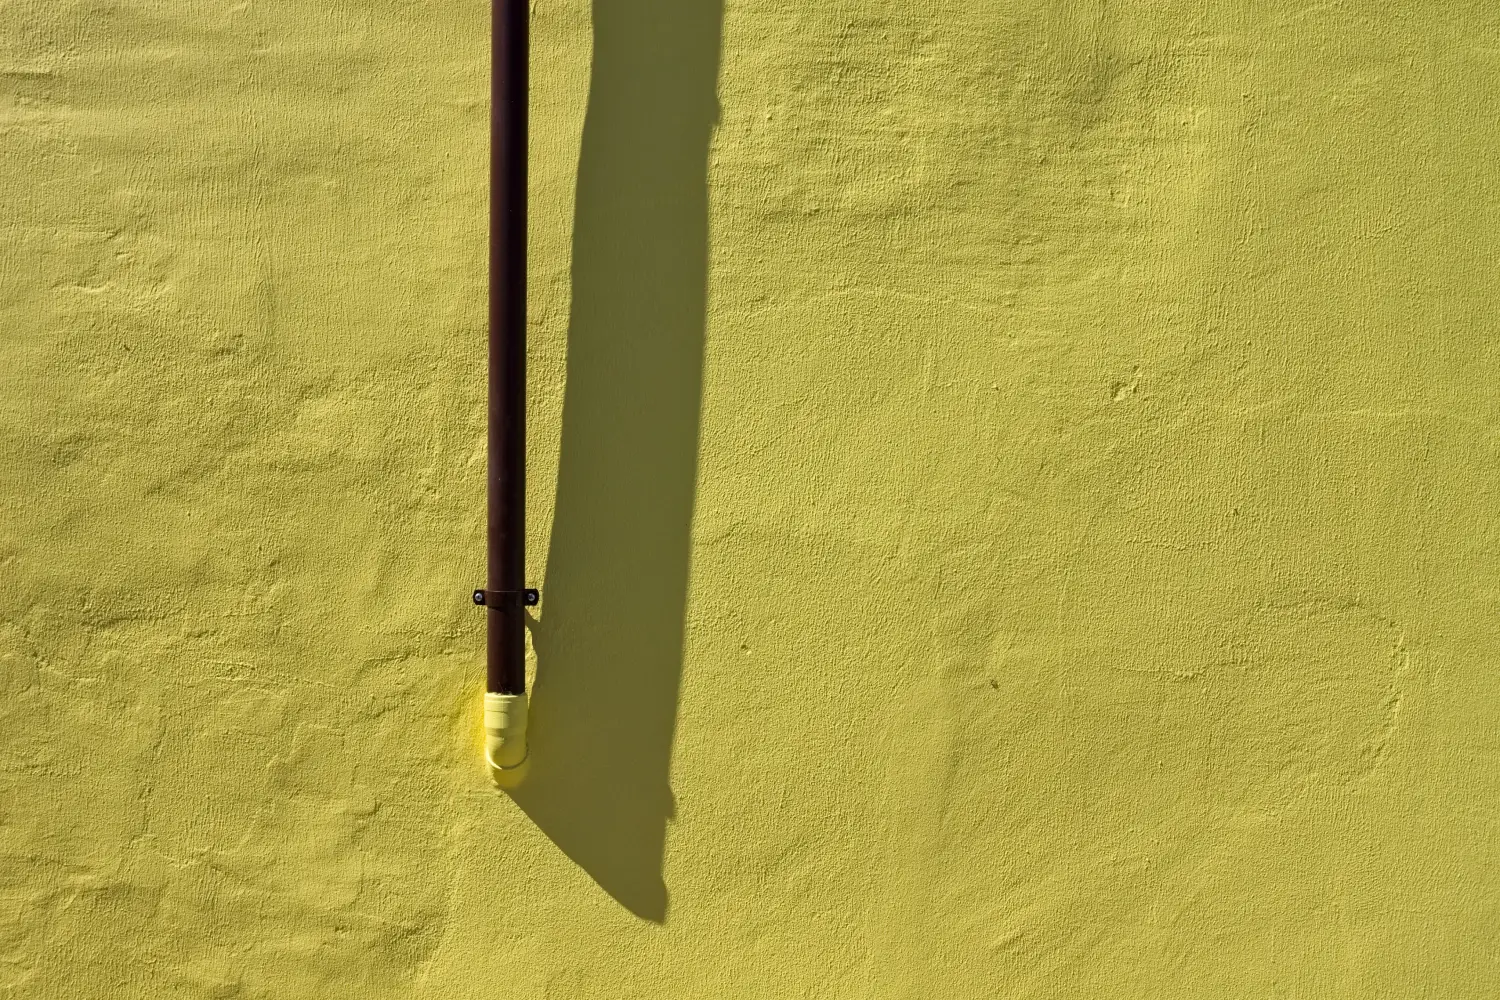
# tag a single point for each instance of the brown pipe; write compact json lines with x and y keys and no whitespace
{"x":506,"y":596}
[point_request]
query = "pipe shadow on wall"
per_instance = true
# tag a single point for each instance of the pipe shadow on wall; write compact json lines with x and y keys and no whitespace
{"x":610,"y":642}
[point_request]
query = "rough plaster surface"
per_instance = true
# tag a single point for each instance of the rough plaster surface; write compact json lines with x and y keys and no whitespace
{"x":1014,"y":486}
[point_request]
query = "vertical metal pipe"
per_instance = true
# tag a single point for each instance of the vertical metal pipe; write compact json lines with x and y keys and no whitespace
{"x":506,"y":644}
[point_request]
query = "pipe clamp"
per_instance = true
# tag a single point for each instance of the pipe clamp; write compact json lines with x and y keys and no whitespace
{"x":530,"y":597}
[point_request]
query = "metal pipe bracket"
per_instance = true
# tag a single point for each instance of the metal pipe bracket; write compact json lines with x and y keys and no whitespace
{"x":530,"y":597}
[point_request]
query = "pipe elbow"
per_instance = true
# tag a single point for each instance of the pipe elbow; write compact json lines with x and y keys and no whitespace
{"x":505,"y":750}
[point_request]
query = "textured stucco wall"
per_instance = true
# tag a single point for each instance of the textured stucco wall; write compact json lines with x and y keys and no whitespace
{"x":1014,"y":486}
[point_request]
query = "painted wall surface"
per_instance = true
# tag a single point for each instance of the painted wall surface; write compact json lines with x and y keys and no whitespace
{"x":1014,"y":487}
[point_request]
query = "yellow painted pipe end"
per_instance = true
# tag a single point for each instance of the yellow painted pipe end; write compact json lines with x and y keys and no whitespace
{"x":505,"y":749}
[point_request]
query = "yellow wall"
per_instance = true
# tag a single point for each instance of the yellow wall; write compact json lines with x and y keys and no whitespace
{"x":1014,"y":487}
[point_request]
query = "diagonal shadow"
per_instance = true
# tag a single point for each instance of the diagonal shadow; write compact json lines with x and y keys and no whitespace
{"x":609,"y":645}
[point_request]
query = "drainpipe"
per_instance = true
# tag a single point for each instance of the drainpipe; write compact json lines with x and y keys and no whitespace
{"x":505,"y":596}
